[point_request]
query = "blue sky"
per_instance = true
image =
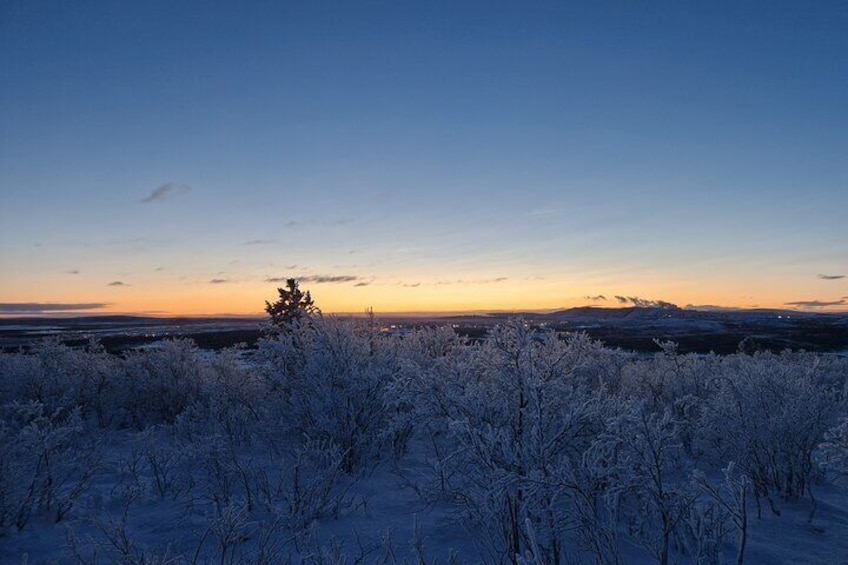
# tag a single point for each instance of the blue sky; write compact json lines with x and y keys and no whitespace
{"x":439,"y":155}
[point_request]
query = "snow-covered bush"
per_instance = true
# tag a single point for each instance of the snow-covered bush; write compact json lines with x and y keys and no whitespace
{"x":165,"y":460}
{"x":160,"y":383}
{"x":768,"y":413}
{"x":329,"y":377}
{"x":61,"y":377}
{"x":832,"y":453}
{"x":641,"y":454}
{"x":312,"y":483}
{"x":676,"y":382}
{"x":48,"y":460}
{"x":722,"y":507}
{"x":499,"y":422}
{"x":230,"y":401}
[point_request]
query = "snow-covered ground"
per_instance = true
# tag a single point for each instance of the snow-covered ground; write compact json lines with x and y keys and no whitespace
{"x":387,"y":522}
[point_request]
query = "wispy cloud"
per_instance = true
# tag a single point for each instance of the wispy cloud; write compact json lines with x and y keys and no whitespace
{"x":117,"y":283}
{"x":830,"y":277}
{"x":322,"y":279}
{"x":219,"y":281}
{"x":596,"y":298}
{"x":258,"y":242}
{"x":166,"y":190}
{"x":363,"y":283}
{"x":818,"y":303}
{"x":72,"y":272}
{"x":47,"y":307}
{"x":475,"y":281}
{"x":644,"y":302}
{"x":316,"y":279}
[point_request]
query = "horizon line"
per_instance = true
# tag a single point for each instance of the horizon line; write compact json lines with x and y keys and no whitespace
{"x":398,"y":313}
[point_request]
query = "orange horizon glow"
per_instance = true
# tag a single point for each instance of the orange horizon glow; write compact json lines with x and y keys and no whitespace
{"x":431,"y":298}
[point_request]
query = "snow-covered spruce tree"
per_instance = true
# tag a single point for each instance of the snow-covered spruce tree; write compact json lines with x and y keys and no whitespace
{"x":293,"y":305}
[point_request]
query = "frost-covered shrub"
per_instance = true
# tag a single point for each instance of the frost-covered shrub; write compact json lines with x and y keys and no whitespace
{"x":312,"y":482}
{"x":641,"y":455}
{"x":329,"y":377}
{"x":722,"y":507}
{"x":298,"y":482}
{"x":427,"y":345}
{"x":58,"y":376}
{"x":160,"y":383}
{"x":435,"y":367}
{"x":167,"y":462}
{"x":679,"y":383}
{"x":768,"y":413}
{"x":231,"y":401}
{"x":832,"y":453}
{"x":48,"y":460}
{"x":502,"y":421}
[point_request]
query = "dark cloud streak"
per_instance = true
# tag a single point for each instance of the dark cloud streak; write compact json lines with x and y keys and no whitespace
{"x":42,"y":308}
{"x":644,"y":302}
{"x":324,"y":279}
{"x":316,"y":279}
{"x":817,"y":303}
{"x":165,"y":190}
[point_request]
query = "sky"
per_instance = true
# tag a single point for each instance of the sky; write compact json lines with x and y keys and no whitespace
{"x":186,"y":157}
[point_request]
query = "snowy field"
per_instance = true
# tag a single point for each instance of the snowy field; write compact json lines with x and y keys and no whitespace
{"x":335,"y":443}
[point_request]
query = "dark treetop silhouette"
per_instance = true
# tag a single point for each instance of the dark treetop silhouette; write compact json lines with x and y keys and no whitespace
{"x":293,"y":306}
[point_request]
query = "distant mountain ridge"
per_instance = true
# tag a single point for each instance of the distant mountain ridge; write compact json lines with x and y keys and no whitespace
{"x":648,"y":313}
